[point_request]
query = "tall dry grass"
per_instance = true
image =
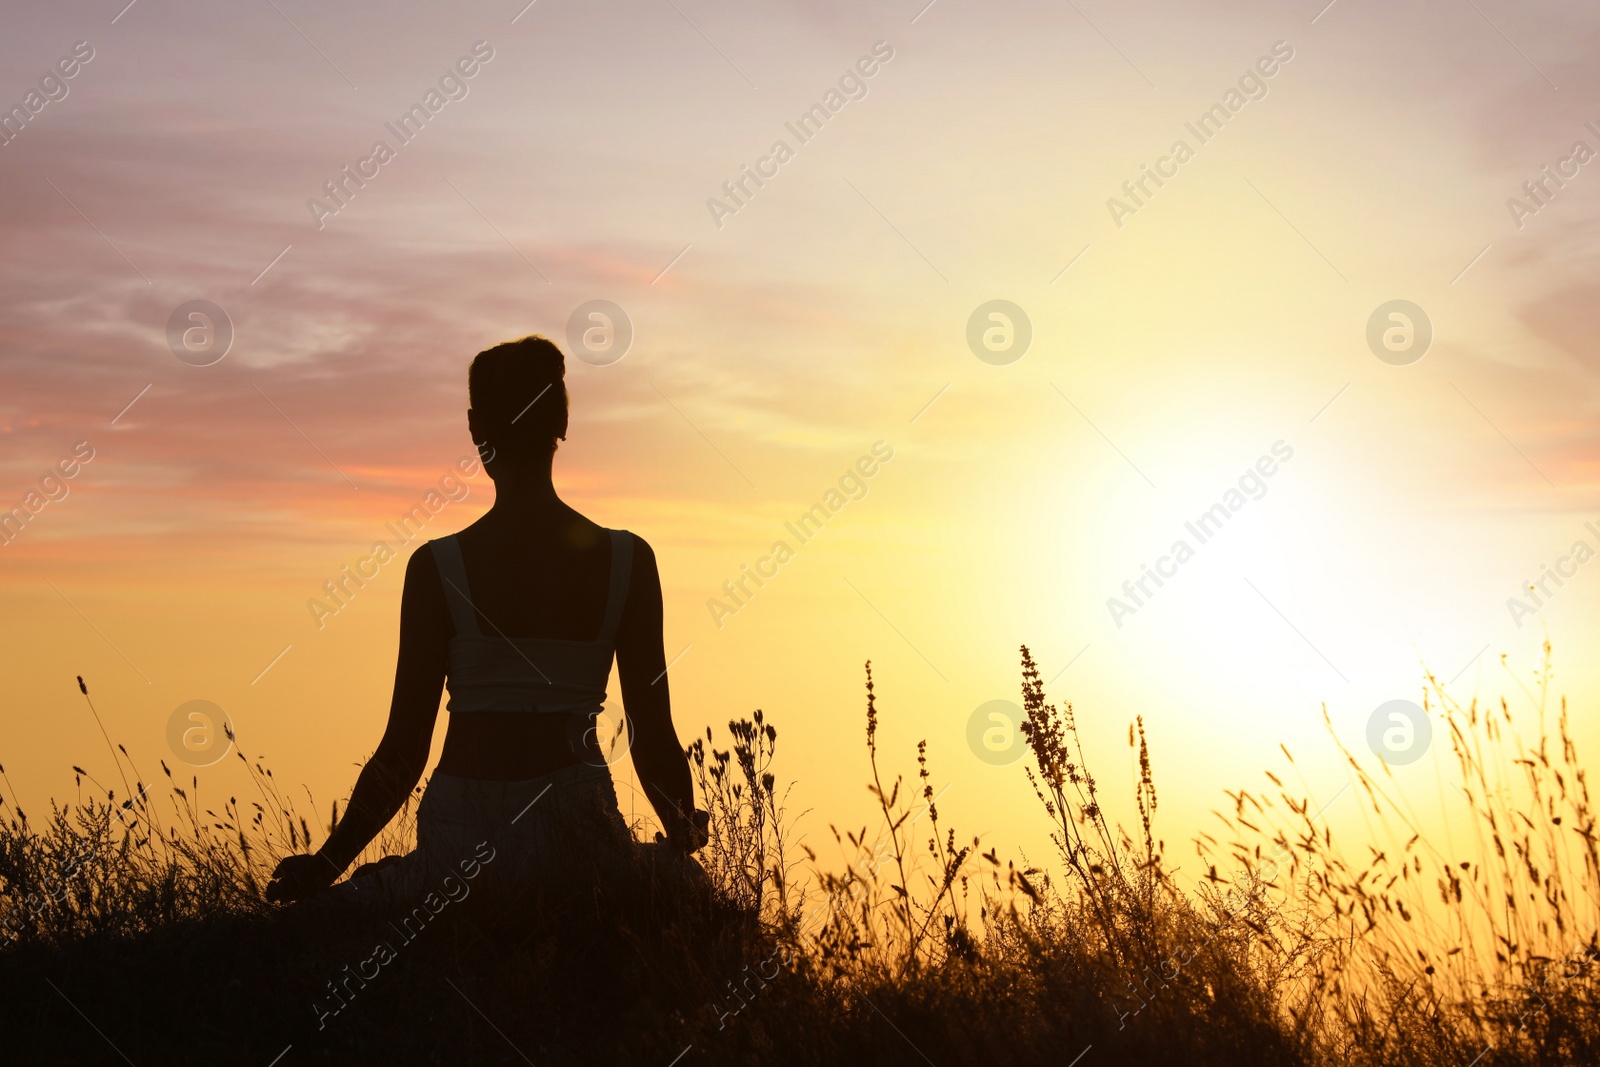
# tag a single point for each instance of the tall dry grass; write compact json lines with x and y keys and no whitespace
{"x":132,"y":929}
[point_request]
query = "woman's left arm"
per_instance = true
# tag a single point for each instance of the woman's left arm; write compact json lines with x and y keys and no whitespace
{"x":397,"y":765}
{"x":658,"y":755}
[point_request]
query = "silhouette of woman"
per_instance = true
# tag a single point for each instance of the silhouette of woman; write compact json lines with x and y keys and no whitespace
{"x":519,"y":615}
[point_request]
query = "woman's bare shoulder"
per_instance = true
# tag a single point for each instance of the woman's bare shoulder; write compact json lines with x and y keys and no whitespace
{"x":422,"y":571}
{"x":644,"y":585}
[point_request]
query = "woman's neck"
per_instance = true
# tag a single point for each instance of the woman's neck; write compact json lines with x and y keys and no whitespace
{"x":525,"y":492}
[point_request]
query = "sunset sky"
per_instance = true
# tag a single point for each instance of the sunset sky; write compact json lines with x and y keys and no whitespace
{"x":1177,"y":338}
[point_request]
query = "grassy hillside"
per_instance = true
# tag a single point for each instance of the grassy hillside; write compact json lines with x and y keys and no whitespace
{"x":132,"y":930}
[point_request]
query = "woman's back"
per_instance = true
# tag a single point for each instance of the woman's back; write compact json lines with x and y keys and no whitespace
{"x":539,"y":600}
{"x":539,"y":576}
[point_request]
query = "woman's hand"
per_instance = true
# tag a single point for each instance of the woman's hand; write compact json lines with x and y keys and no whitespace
{"x":690,"y":835}
{"x":375,"y":866}
{"x":298,"y":877}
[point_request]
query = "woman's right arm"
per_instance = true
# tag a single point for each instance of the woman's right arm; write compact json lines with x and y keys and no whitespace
{"x":397,"y":765}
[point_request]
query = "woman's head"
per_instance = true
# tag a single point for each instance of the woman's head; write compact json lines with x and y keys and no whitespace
{"x":518,"y":401}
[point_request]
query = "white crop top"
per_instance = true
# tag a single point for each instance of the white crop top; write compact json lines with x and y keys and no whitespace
{"x":546,"y":675}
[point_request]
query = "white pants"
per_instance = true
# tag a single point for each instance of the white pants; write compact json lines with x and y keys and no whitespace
{"x":561,"y":832}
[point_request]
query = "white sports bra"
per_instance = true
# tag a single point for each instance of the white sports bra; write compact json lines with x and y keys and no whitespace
{"x":545,"y":675}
